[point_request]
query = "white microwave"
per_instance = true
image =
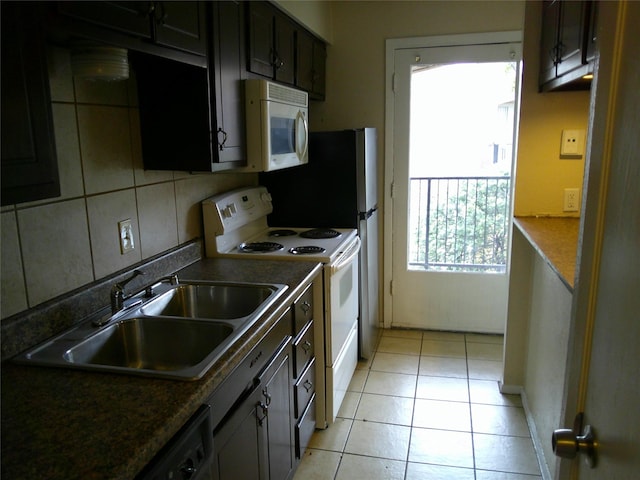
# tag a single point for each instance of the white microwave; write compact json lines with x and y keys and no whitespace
{"x":277,"y":126}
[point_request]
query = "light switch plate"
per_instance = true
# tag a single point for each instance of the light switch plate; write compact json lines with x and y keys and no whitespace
{"x":125,"y":230}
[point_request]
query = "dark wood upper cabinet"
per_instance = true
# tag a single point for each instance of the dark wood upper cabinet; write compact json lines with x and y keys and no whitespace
{"x":284,"y":41}
{"x":311,"y":56}
{"x":549,"y":41}
{"x":191,"y":117}
{"x":271,"y":48}
{"x":174,"y":105}
{"x":175,"y":30}
{"x":592,"y":32}
{"x":282,"y":50}
{"x":227,"y":70}
{"x":132,"y":18}
{"x":260,"y":48}
{"x":29,"y":164}
{"x":571,"y":36}
{"x":180,"y":25}
{"x":564,"y":44}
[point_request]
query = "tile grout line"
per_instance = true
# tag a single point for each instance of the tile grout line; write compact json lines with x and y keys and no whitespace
{"x":413,"y":410}
{"x":473,"y":446}
{"x":353,"y":420}
{"x":368,"y":371}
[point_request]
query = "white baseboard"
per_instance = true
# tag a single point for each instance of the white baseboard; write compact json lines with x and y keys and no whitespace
{"x":510,"y":389}
{"x":537,"y":444}
{"x":535,"y":438}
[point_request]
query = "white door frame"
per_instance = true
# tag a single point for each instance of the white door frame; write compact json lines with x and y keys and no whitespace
{"x":392,"y":45}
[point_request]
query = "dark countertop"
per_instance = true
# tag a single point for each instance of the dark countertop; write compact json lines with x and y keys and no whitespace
{"x":69,"y":424}
{"x":556,"y":240}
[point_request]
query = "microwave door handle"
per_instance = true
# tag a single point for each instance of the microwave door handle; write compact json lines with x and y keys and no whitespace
{"x":347,"y":257}
{"x":305,"y":126}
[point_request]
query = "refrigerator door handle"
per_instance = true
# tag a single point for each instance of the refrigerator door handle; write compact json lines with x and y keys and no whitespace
{"x":367,"y":215}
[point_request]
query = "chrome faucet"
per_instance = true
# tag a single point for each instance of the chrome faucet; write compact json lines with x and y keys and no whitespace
{"x":117,"y":292}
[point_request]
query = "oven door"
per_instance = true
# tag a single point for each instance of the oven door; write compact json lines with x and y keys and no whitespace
{"x":341,"y":300}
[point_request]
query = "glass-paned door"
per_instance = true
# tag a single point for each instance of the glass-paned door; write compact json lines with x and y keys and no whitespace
{"x":454,"y":129}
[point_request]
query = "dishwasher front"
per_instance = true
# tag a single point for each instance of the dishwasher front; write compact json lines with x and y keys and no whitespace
{"x":188,"y":455}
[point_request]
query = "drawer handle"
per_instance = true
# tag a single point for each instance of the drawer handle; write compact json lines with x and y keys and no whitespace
{"x":307,"y":385}
{"x":255,"y":359}
{"x":306,"y":346}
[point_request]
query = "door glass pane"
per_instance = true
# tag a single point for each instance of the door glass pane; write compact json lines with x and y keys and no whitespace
{"x":460,"y":160}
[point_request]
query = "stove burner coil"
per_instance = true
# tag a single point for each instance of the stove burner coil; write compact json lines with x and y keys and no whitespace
{"x":282,"y":233}
{"x":260,"y":247}
{"x":306,"y":250}
{"x":319,"y":233}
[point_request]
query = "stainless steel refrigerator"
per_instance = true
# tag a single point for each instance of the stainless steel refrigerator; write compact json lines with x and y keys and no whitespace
{"x":337,"y":189}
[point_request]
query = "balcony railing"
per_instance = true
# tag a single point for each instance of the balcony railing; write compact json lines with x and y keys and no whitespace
{"x":459,"y":223}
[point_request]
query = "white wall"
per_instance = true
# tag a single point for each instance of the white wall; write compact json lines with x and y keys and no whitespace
{"x":537,"y":340}
{"x":356,"y":58}
{"x":315,"y":15}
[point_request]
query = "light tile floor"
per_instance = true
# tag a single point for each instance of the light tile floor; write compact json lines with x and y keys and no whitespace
{"x":426,"y":406}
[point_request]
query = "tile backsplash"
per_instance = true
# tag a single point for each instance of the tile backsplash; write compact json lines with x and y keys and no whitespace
{"x":54,"y":246}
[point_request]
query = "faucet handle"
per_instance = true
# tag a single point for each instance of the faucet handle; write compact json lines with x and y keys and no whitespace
{"x":170,"y":279}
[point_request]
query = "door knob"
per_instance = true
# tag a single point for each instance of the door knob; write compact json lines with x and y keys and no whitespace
{"x":568,"y":443}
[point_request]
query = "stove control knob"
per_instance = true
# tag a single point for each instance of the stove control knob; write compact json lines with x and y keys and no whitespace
{"x":229,"y":211}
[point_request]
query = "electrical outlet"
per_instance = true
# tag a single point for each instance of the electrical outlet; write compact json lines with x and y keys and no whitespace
{"x":125,"y":230}
{"x":571,"y":199}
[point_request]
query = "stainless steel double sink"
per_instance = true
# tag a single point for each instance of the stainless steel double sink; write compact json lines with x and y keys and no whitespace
{"x":178,"y":333}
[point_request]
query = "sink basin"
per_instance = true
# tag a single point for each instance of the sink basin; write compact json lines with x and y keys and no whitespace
{"x":151,"y":344}
{"x":222,"y":301}
{"x":178,"y":334}
{"x":181,"y":349}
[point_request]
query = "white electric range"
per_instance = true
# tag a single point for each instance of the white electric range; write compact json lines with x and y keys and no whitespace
{"x":235,"y":225}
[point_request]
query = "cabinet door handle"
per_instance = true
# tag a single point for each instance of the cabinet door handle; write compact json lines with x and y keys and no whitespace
{"x":145,"y":12}
{"x":159,"y":8}
{"x":559,"y":52}
{"x":276,"y":61}
{"x":307,"y":385}
{"x":306,"y":346}
{"x":265,"y":413}
{"x":266,"y":396}
{"x":224,"y":138}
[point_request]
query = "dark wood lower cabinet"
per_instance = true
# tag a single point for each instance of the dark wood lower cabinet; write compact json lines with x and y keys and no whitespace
{"x":278,"y":398}
{"x":240,"y":444}
{"x":268,"y":428}
{"x":257,"y":440}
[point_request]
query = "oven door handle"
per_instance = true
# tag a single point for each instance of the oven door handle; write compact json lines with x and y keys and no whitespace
{"x":346,"y":258}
